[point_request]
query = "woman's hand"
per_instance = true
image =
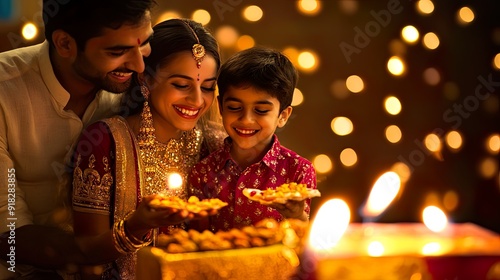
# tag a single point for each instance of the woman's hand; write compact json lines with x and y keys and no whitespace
{"x":292,"y":209}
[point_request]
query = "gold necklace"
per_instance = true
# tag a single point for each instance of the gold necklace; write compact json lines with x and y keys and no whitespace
{"x":160,"y":160}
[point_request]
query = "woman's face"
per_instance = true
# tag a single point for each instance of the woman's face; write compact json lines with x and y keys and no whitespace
{"x":181,"y":93}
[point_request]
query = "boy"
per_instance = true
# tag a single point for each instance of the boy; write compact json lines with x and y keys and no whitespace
{"x":255,"y":94}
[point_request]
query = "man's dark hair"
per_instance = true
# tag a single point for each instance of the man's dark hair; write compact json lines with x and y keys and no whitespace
{"x":85,"y":19}
{"x":263,"y":68}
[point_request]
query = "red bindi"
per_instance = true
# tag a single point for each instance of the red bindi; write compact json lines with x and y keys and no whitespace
{"x":138,"y":41}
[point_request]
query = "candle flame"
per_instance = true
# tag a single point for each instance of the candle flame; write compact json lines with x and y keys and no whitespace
{"x":434,"y":218}
{"x":329,"y":225}
{"x":174,"y":180}
{"x":382,"y":194}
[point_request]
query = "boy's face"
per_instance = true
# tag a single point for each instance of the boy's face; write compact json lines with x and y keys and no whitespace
{"x":251,"y":116}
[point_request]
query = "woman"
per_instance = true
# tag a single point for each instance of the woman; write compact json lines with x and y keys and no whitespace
{"x":122,"y":163}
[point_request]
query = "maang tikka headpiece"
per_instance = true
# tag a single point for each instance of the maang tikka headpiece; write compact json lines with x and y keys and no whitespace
{"x":198,"y":49}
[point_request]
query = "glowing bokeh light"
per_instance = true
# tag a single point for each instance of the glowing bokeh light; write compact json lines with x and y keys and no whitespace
{"x":493,"y":144}
{"x":201,"y":16}
{"x":339,"y":89}
{"x":425,"y":7}
{"x":307,"y":61}
{"x":253,"y":13}
{"x":432,"y":142}
{"x":432,"y":76}
{"x":322,"y":163}
{"x":488,"y":168}
{"x":396,"y":66}
{"x":393,"y":133}
{"x":410,"y":34}
{"x":496,"y":61}
{"x":430,"y":41}
{"x":29,"y":31}
{"x":465,"y":15}
{"x":450,"y":200}
{"x":454,"y":140}
{"x":227,"y":36}
{"x":309,"y":7}
{"x":402,"y":170}
{"x":392,"y":105}
{"x":329,"y":225}
{"x":298,"y":97}
{"x":434,"y":218}
{"x":375,"y":249}
{"x":348,"y":157}
{"x":354,"y":83}
{"x":342,"y":126}
{"x":245,"y":42}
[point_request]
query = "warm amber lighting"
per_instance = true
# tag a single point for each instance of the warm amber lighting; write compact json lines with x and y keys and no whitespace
{"x":432,"y":76}
{"x":375,"y":249}
{"x":434,"y":218}
{"x":397,"y":47}
{"x":174,"y":181}
{"x":253,"y":13}
{"x":245,"y":42}
{"x":432,"y":142}
{"x":383,"y":192}
{"x":298,"y":97}
{"x":454,"y":140}
{"x":227,"y":36}
{"x":322,"y":163}
{"x":431,"y":248}
{"x":342,"y":126}
{"x":348,"y":157}
{"x":309,"y":7}
{"x":488,"y":168}
{"x":396,"y":66}
{"x":450,"y":200}
{"x":425,"y":7}
{"x":329,"y":225}
{"x":493,"y":144}
{"x":465,"y":15}
{"x":410,"y":34}
{"x":29,"y":31}
{"x":339,"y":89}
{"x":393,"y":133}
{"x":292,"y":54}
{"x":348,"y":7}
{"x":168,"y":15}
{"x":201,"y":16}
{"x":392,"y":105}
{"x":496,"y":61}
{"x":430,"y":41}
{"x":402,"y":170}
{"x":354,"y":83}
{"x":307,"y":61}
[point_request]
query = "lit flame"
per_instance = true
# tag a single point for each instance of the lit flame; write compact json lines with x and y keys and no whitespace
{"x":329,"y":225}
{"x":174,"y":180}
{"x":382,"y":194}
{"x":434,"y":218}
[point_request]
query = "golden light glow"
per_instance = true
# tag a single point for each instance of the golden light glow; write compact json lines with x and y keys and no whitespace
{"x":253,"y":13}
{"x":431,"y":248}
{"x":341,"y":126}
{"x":339,"y":89}
{"x":322,"y":163}
{"x":375,"y":249}
{"x":432,"y":142}
{"x":309,"y":7}
{"x":329,"y":225}
{"x":410,"y":34}
{"x":425,"y":7}
{"x":348,"y":7}
{"x":454,"y":140}
{"x":383,"y":192}
{"x":298,"y":97}
{"x":348,"y":157}
{"x":493,"y":144}
{"x":432,"y":76}
{"x":393,"y":133}
{"x":245,"y":42}
{"x":29,"y":31}
{"x":174,"y":181}
{"x":465,"y":15}
{"x":227,"y":36}
{"x":434,"y":218}
{"x":201,"y":16}
{"x":354,"y":83}
{"x":402,"y":170}
{"x":496,"y":61}
{"x":307,"y":61}
{"x":430,"y":41}
{"x":168,"y":15}
{"x":396,"y":66}
{"x":450,"y":200}
{"x":392,"y":105}
{"x":488,"y":168}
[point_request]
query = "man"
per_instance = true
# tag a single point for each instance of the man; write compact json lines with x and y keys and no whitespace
{"x":48,"y":93}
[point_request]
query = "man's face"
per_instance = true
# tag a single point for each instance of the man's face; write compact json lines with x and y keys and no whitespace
{"x":109,"y":60}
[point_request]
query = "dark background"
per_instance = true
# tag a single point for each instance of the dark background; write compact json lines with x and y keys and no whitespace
{"x":465,"y":53}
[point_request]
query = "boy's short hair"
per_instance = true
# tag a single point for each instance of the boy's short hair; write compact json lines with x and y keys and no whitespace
{"x":86,"y":19}
{"x":263,"y":68}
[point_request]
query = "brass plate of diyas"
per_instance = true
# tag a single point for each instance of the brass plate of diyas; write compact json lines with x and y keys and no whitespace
{"x":282,"y":194}
{"x":269,"y":248}
{"x":193,"y":204}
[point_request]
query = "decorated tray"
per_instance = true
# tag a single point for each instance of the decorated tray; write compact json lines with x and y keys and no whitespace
{"x":281,"y":194}
{"x":193,"y":204}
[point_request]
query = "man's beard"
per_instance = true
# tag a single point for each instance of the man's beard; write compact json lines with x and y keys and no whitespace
{"x":81,"y":67}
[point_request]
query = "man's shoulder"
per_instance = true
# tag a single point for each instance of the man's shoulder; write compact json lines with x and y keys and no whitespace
{"x":16,"y":62}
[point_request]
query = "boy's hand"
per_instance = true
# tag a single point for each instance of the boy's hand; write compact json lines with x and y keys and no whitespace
{"x":292,"y":209}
